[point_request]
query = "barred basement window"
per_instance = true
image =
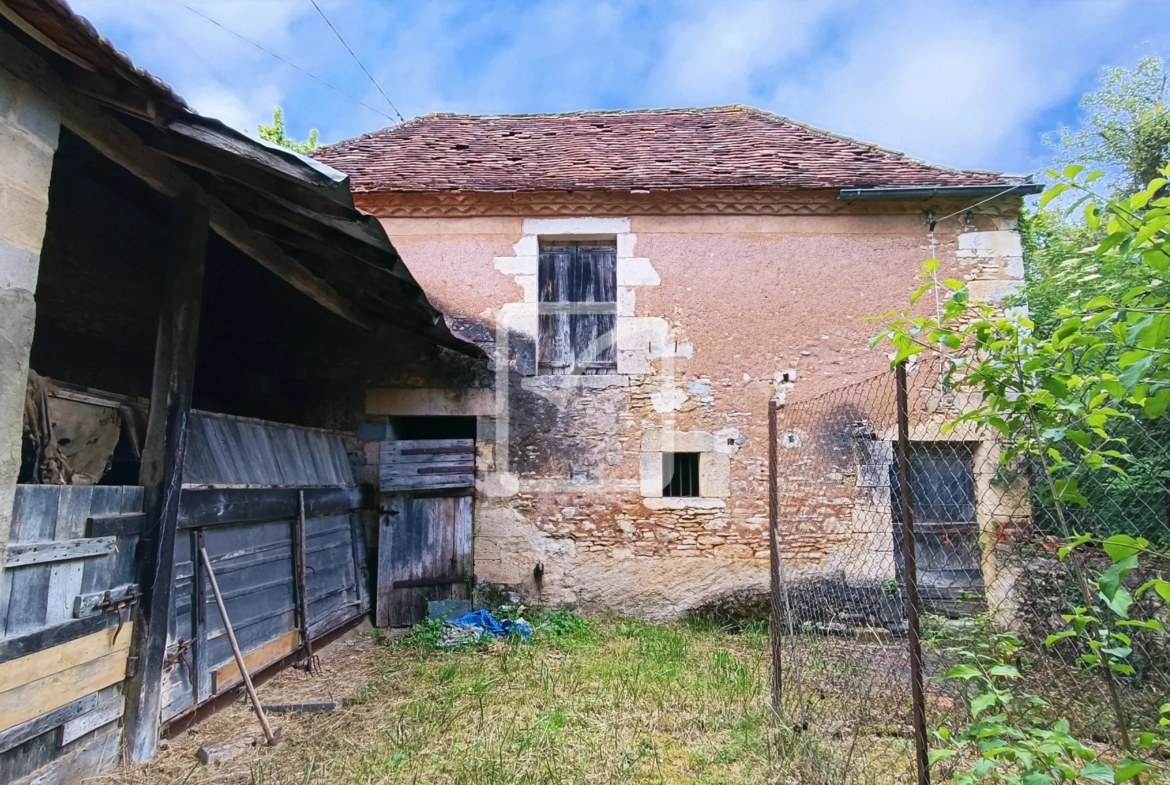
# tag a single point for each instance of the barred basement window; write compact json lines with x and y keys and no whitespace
{"x":680,"y":474}
{"x":577,"y":283}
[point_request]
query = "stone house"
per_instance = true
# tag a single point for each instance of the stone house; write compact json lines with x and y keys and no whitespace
{"x":646,"y":282}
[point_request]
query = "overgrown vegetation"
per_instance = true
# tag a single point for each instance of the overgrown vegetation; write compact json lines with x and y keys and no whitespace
{"x":1064,"y":391}
{"x":585,"y":701}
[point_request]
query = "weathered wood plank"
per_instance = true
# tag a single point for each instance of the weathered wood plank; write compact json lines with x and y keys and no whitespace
{"x":21,"y":733}
{"x":22,"y":703}
{"x":397,"y":445}
{"x":45,"y":637}
{"x":428,"y":482}
{"x":44,"y":552}
{"x":65,"y":577}
{"x":217,"y":506}
{"x":105,"y":713}
{"x":34,"y":518}
{"x":119,"y":524}
{"x":125,"y":566}
{"x":258,"y":658}
{"x":39,"y":665}
{"x":94,"y":759}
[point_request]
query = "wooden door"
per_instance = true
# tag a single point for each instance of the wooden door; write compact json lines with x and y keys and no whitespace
{"x":946,"y":534}
{"x":424,"y":554}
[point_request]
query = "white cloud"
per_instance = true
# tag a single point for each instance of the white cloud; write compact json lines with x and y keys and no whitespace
{"x":962,"y":82}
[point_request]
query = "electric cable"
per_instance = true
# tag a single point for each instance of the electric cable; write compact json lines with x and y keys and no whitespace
{"x":289,"y":63}
{"x":353,"y":54}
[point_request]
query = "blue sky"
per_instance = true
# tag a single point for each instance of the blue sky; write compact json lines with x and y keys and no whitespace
{"x":968,"y":84}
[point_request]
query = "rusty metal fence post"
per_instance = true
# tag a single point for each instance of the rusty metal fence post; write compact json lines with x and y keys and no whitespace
{"x":774,"y":559}
{"x":917,"y":685}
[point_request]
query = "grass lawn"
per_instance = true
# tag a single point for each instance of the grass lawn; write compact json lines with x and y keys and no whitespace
{"x":583,"y":702}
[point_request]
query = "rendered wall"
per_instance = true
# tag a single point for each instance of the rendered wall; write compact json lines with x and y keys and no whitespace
{"x":29,"y":126}
{"x":717,"y":313}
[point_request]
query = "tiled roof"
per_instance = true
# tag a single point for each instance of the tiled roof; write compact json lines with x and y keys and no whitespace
{"x":720,"y":147}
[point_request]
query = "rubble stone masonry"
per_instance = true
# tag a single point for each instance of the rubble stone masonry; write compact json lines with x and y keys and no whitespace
{"x":717,"y":313}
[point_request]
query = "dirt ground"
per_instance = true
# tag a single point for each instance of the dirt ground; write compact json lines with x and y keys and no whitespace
{"x":346,"y":669}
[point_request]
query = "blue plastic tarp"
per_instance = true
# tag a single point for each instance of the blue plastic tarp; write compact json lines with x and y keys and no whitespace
{"x":483,"y":623}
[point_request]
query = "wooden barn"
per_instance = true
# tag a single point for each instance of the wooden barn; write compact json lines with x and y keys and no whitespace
{"x":189,"y":319}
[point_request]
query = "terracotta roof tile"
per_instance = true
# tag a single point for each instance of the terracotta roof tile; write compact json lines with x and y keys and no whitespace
{"x":720,"y":147}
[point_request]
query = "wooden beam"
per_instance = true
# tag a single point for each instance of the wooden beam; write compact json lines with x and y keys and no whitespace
{"x":118,"y":143}
{"x":353,"y":237}
{"x":218,"y":162}
{"x":109,"y":710}
{"x":23,"y":703}
{"x":116,"y":525}
{"x":213,"y":506}
{"x":162,"y":466}
{"x":26,"y":553}
{"x":19,"y":734}
{"x":47,"y":637}
{"x":257,"y":659}
{"x":62,"y":657}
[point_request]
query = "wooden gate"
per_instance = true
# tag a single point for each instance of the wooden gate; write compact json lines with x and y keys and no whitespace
{"x":255,"y":495}
{"x":425,"y":531}
{"x":65,"y":627}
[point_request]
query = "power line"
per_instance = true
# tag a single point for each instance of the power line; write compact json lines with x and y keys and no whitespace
{"x":352,"y":54}
{"x":290,"y":63}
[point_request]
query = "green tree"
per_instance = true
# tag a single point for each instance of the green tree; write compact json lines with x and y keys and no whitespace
{"x":1061,"y":395}
{"x":1125,"y":129}
{"x":275,"y":133}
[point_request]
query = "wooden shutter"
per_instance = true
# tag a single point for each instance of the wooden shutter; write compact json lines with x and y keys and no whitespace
{"x":555,"y":346}
{"x":578,"y":311}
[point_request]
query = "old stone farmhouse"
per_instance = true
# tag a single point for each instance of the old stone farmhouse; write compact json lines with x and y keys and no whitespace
{"x":646,"y":281}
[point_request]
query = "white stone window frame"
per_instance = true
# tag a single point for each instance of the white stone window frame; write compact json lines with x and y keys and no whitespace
{"x":639,"y":339}
{"x":714,"y":469}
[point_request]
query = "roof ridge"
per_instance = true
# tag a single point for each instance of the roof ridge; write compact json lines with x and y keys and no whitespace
{"x":730,"y":145}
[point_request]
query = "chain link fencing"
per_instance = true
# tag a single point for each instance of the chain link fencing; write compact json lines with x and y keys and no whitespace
{"x":991,"y":586}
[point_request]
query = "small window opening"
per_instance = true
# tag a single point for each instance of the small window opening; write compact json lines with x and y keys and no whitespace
{"x":680,"y":474}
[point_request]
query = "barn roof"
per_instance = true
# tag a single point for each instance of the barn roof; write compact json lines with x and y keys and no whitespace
{"x":299,"y":214}
{"x":718,"y":147}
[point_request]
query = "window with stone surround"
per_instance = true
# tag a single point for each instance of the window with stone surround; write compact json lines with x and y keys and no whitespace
{"x":680,"y":474}
{"x":577,"y":307}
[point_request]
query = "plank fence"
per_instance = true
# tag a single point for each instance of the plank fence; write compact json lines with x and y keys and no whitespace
{"x":262,"y":498}
{"x":65,"y":612}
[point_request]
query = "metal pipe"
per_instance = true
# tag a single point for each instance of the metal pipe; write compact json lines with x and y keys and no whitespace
{"x":917,"y":687}
{"x":853,"y":194}
{"x":272,"y":738}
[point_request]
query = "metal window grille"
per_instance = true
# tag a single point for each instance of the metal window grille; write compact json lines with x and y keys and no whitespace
{"x":680,"y":474}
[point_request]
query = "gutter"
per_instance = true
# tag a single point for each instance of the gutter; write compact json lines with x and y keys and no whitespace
{"x":851,"y":194}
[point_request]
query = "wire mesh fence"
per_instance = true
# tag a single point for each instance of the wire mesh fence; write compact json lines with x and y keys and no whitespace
{"x":993,"y":591}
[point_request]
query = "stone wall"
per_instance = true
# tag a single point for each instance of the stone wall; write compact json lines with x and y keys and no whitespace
{"x":716,"y":315}
{"x":29,"y":126}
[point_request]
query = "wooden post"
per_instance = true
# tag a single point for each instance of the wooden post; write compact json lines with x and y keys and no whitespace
{"x":301,"y":581}
{"x":774,"y":559}
{"x":162,"y":467}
